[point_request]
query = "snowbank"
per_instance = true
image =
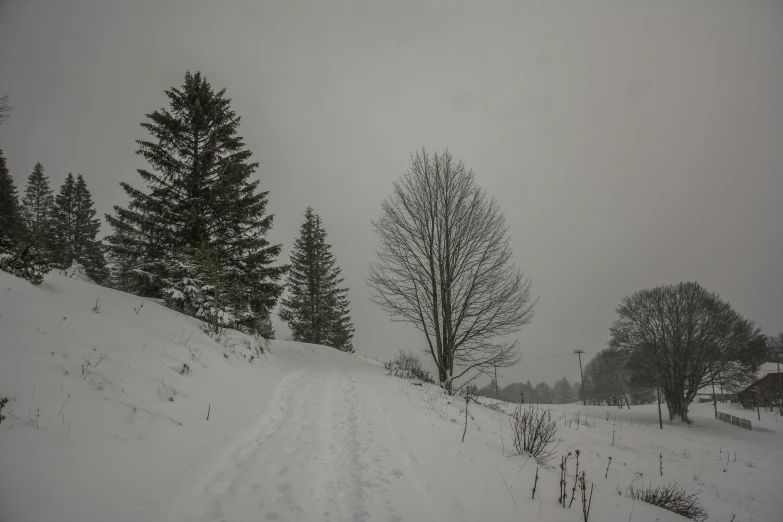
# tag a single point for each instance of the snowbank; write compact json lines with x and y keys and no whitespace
{"x":107,"y":420}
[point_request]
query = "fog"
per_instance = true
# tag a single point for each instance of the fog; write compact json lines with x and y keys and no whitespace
{"x":629,"y":144}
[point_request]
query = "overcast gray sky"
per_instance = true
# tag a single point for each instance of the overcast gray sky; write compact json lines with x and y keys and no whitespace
{"x":629,"y":144}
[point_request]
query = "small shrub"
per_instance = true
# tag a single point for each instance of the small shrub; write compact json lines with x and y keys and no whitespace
{"x":586,"y":503}
{"x":408,"y":366}
{"x":185,"y":369}
{"x":671,"y":497}
{"x":28,"y":262}
{"x":534,"y":432}
{"x":166,"y":392}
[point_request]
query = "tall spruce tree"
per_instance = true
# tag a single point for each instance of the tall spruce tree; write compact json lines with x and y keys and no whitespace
{"x":11,"y":223}
{"x":37,"y":204}
{"x":198,"y":236}
{"x":316,"y":309}
{"x":89,"y":250}
{"x":74,"y":230}
{"x":61,"y":225}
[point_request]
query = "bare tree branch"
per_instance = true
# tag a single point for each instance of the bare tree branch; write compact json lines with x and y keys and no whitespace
{"x":5,"y":108}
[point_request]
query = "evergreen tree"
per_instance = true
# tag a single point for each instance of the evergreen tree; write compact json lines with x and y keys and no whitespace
{"x":24,"y":249}
{"x":543,"y":393}
{"x":264,"y":326}
{"x":316,"y":309}
{"x":11,"y":223}
{"x":37,"y":205}
{"x":200,"y":207}
{"x":120,"y":275}
{"x":74,"y":230}
{"x":61,"y":225}
{"x":561,"y":392}
{"x":88,"y":249}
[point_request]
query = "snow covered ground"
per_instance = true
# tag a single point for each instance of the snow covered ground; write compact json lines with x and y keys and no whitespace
{"x":104,"y":425}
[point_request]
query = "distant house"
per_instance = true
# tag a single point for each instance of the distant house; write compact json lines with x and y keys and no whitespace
{"x":721,"y":395}
{"x":768,"y":368}
{"x":765,"y":391}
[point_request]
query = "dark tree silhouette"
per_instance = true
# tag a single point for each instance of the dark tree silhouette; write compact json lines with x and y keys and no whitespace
{"x":686,"y":335}
{"x":316,"y":307}
{"x":198,"y":235}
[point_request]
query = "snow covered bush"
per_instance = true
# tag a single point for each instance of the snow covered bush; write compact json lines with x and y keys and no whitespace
{"x":77,"y":271}
{"x":671,"y":497}
{"x":408,"y":366}
{"x":191,"y":291}
{"x":534,"y":432}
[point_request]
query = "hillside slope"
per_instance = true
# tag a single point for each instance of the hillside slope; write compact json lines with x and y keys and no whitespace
{"x":104,"y":424}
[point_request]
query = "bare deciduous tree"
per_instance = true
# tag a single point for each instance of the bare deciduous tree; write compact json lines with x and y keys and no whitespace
{"x":775,"y":347}
{"x":5,"y":108}
{"x":445,"y":266}
{"x":686,"y":336}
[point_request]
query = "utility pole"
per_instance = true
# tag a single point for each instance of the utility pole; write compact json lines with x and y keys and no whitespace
{"x":496,"y":383}
{"x":756,"y":400}
{"x":581,"y":375}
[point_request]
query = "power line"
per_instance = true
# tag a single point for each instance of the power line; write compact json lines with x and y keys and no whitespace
{"x":547,"y":358}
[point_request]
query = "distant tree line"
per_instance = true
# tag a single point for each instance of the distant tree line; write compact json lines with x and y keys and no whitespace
{"x":562,"y":392}
{"x":195,"y":235}
{"x":45,"y":231}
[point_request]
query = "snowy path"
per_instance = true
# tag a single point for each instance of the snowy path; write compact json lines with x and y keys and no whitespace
{"x":322,"y":450}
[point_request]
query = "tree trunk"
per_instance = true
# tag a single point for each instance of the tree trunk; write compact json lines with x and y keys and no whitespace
{"x":442,"y":378}
{"x":677,"y":403}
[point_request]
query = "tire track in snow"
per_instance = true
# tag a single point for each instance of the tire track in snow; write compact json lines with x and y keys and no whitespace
{"x":408,"y":456}
{"x":310,"y":468}
{"x":319,"y":452}
{"x":204,"y":502}
{"x":345,"y":454}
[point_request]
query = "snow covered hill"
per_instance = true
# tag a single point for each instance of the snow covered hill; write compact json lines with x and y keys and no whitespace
{"x":107,"y":421}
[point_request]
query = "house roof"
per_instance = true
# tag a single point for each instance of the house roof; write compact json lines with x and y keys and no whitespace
{"x":762,"y":376}
{"x":764,"y":370}
{"x":707,"y":390}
